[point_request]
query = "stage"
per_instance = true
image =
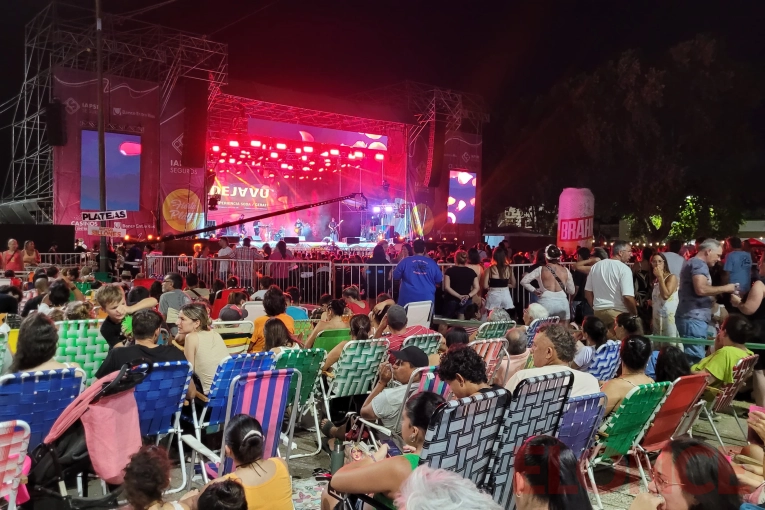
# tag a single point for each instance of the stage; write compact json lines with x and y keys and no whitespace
{"x":319,"y":246}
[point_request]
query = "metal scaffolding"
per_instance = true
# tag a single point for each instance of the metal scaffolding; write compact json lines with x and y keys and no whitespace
{"x":63,"y":35}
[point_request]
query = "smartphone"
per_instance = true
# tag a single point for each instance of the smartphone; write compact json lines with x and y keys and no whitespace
{"x":393,"y":449}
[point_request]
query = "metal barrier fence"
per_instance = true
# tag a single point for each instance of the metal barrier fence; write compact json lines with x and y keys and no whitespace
{"x":66,"y":260}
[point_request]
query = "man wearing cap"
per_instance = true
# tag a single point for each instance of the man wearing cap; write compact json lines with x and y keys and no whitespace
{"x":232,"y":313}
{"x":393,"y":327}
{"x":419,"y":276}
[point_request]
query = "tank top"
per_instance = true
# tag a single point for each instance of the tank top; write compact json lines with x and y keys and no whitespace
{"x":414,"y":461}
{"x":498,"y":283}
{"x":274,"y":494}
{"x":211,"y":350}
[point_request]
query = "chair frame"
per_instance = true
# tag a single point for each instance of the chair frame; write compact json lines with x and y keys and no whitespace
{"x":422,"y":304}
{"x":175,"y":428}
{"x":741,"y":372}
{"x":10,"y":487}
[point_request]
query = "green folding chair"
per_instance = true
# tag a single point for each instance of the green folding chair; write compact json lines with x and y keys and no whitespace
{"x":329,"y":338}
{"x":84,"y":287}
{"x":81,"y":342}
{"x":309,"y":363}
{"x":356,"y":370}
{"x":303,"y":326}
{"x":625,"y":427}
{"x":428,"y":343}
{"x":491,"y":330}
{"x":3,"y":348}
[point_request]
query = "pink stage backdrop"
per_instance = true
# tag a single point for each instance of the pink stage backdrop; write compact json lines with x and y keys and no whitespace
{"x":132,"y":151}
{"x":182,"y":188}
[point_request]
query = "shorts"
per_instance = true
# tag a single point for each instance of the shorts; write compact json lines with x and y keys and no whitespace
{"x":499,"y":298}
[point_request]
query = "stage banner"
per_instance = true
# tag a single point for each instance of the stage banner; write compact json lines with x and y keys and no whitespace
{"x":181,"y":188}
{"x":131,"y":145}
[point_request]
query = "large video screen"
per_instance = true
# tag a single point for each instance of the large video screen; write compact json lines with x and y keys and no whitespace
{"x":123,"y":171}
{"x":461,"y":202}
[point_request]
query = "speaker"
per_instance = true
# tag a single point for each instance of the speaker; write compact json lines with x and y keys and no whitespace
{"x":291,"y":240}
{"x":351,"y":240}
{"x":55,"y":122}
{"x":435,"y":164}
{"x":194,"y":123}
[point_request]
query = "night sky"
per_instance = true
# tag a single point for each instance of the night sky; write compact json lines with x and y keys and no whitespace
{"x":503,"y":50}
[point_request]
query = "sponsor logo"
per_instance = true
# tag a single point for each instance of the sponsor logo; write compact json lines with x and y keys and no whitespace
{"x":465,"y":157}
{"x":575,"y":229}
{"x":123,"y":112}
{"x":117,"y":111}
{"x":178,"y":144}
{"x":71,"y":106}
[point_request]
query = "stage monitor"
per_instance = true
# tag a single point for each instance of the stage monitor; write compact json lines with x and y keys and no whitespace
{"x":461,"y":201}
{"x":123,"y":171}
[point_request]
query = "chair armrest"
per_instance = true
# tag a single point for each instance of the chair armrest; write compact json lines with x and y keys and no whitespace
{"x":375,"y":426}
{"x":197,"y":446}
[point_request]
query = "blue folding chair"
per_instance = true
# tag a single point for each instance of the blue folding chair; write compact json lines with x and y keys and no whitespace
{"x":160,"y":399}
{"x":605,"y":361}
{"x":39,"y":398}
{"x":536,"y":325}
{"x":580,"y":421}
{"x":214,"y":410}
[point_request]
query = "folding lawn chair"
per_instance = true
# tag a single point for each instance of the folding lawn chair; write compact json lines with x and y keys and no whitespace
{"x":330,"y":338}
{"x":418,"y":313}
{"x":81,"y":342}
{"x":536,"y":325}
{"x":492,"y":352}
{"x":428,"y":343}
{"x":580,"y":421}
{"x":14,"y":441}
{"x":725,"y":395}
{"x":490,"y":330}
{"x":356,"y":370}
{"x":235,"y":334}
{"x":605,"y":361}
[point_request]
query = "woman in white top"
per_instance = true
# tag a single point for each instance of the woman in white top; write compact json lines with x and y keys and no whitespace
{"x":664,"y":298}
{"x":204,"y":349}
{"x":555,"y":284}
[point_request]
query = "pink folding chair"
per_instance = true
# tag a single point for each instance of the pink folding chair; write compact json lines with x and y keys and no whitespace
{"x":14,"y":441}
{"x":492,"y":352}
{"x":741,"y":372}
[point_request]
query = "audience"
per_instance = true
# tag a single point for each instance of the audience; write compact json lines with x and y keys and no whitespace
{"x":438,"y":489}
{"x":275,"y":306}
{"x":79,"y":310}
{"x":264,"y":284}
{"x":394,"y":324}
{"x":671,"y":363}
{"x":456,"y":335}
{"x":594,"y":334}
{"x":172,"y":300}
{"x":147,"y":476}
{"x":294,"y":310}
{"x":111,"y":299}
{"x":361,"y":327}
{"x":41,"y":289}
{"x":464,"y":371}
{"x":518,"y":351}
{"x":146,"y":329}
{"x":552,"y":351}
{"x":547,"y":476}
{"x":610,"y":288}
{"x":278,"y":338}
{"x":729,"y":350}
{"x":385,"y":476}
{"x":334,"y":320}
{"x":353,"y":300}
{"x":634,"y":354}
{"x":36,"y":346}
{"x":204,"y":349}
{"x":225,"y":495}
{"x":419,"y":276}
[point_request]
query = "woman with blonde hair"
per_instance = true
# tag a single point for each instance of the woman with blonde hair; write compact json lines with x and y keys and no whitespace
{"x":204,"y":349}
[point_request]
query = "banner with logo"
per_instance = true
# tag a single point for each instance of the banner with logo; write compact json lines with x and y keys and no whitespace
{"x":182,"y":188}
{"x":131,"y":147}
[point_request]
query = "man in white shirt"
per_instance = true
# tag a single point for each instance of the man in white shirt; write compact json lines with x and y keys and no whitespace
{"x":553,"y":349}
{"x":675,"y":261}
{"x":610,"y":288}
{"x":225,"y":253}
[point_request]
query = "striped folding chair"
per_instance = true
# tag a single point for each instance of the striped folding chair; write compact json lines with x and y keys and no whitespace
{"x":14,"y":441}
{"x":356,"y":370}
{"x":264,"y":396}
{"x":235,"y":334}
{"x":492,"y":352}
{"x":428,"y":343}
{"x":580,"y":421}
{"x":309,"y":363}
{"x":725,"y":395}
{"x":605,"y":361}
{"x":214,"y":410}
{"x":330,"y":338}
{"x":535,"y":326}
{"x":39,"y":398}
{"x":81,"y":342}
{"x":491,"y":330}
{"x":160,"y":398}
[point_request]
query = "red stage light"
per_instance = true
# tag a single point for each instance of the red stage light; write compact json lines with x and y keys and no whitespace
{"x":315,"y":178}
{"x":290,"y":167}
{"x":298,"y":151}
{"x":307,"y":168}
{"x":304,"y":158}
{"x":351,"y":156}
{"x":284,"y":165}
{"x":233,"y":143}
{"x":270,"y":175}
{"x":127,"y":237}
{"x":150,"y":237}
{"x":358,"y":154}
{"x":231,"y":160}
{"x":255,"y":143}
{"x":327,"y":164}
{"x":239,"y":162}
{"x":281,"y":146}
{"x":379,"y":157}
{"x":312,"y":162}
{"x":216,"y":148}
{"x":223,"y":154}
{"x":321,"y":169}
{"x":325,"y":154}
{"x":308,"y":149}
{"x":334,"y":152}
{"x":221,"y":160}
{"x":274,"y":154}
{"x":328,"y":161}
{"x":301,"y":177}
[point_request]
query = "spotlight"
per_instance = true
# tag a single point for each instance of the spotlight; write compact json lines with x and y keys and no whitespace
{"x":216,"y":148}
{"x":334,"y":152}
{"x":376,"y":209}
{"x":298,"y":151}
{"x":379,"y":157}
{"x":281,"y":146}
{"x":284,"y":165}
{"x":388,"y":209}
{"x":232,"y":160}
{"x":127,"y":237}
{"x":327,"y":164}
{"x":358,"y":154}
{"x":221,"y":160}
{"x":307,"y":168}
{"x":351,"y":156}
{"x":150,"y":237}
{"x":274,"y":155}
{"x":233,"y":143}
{"x":312,"y":163}
{"x":307,"y":149}
{"x":255,"y":143}
{"x":304,"y":158}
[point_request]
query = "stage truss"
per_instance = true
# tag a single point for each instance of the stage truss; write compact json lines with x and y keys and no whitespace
{"x":65,"y":36}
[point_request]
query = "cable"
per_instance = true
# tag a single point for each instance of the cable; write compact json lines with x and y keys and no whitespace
{"x":245,"y":17}
{"x":138,"y":12}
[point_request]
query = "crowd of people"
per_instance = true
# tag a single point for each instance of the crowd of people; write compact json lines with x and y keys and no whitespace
{"x":601,"y":299}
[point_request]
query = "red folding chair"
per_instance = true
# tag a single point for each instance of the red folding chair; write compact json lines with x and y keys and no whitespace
{"x":222,"y":301}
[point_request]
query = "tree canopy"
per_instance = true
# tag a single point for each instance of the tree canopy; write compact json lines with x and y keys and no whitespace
{"x":660,"y":142}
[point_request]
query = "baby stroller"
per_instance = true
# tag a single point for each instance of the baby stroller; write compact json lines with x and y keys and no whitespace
{"x":95,"y":435}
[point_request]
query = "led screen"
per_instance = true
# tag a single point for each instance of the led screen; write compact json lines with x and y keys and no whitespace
{"x":123,"y":171}
{"x":461,"y":201}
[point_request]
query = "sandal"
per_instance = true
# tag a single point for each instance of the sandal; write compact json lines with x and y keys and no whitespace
{"x":326,"y":428}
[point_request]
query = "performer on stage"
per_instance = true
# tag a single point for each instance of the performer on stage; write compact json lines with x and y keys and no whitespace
{"x":298,"y":227}
{"x":334,"y":230}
